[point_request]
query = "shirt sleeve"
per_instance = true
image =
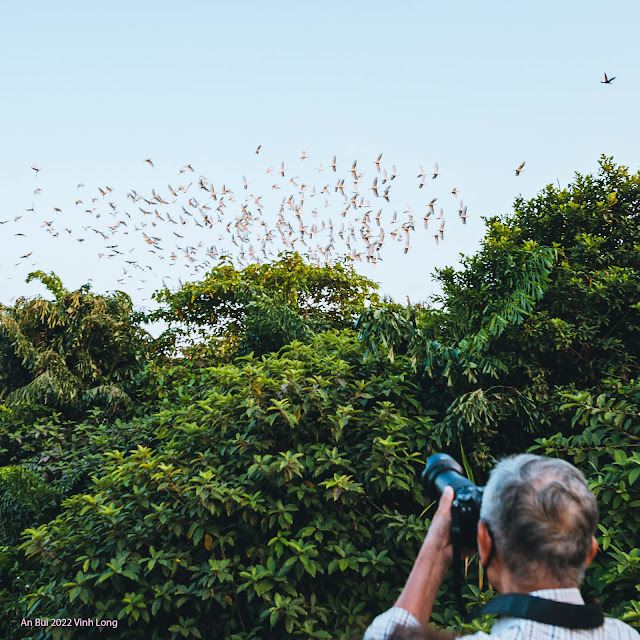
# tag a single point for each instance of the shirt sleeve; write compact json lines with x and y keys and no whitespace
{"x":386,"y":623}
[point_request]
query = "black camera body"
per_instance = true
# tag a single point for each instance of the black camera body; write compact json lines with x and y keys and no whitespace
{"x":442,"y":470}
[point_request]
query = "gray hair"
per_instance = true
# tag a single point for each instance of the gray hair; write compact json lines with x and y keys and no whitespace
{"x":542,"y":515}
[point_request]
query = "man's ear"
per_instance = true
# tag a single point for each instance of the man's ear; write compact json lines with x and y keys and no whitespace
{"x":592,"y":551}
{"x":484,"y":542}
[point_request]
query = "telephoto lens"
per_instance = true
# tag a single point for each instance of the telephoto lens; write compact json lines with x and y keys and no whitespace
{"x":442,"y":470}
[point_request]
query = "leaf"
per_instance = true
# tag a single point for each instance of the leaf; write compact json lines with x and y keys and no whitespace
{"x":465,"y":463}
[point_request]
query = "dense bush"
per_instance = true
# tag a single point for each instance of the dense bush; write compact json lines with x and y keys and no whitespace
{"x":281,"y":500}
{"x":24,"y":499}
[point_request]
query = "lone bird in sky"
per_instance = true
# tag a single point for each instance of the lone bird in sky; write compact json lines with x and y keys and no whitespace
{"x":607,"y":80}
{"x":520,"y":168}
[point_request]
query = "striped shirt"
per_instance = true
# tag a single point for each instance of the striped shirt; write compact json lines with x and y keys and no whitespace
{"x":385,"y":624}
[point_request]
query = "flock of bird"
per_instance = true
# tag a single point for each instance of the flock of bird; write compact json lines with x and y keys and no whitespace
{"x":347,"y":214}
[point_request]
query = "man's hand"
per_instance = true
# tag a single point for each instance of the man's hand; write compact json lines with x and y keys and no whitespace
{"x":431,"y":565}
{"x":437,"y":544}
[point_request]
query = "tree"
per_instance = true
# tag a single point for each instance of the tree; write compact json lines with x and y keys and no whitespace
{"x":77,"y":349}
{"x":263,"y":307}
{"x":548,"y":305}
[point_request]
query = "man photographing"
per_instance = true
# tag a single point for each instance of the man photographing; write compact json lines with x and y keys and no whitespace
{"x":535,"y":537}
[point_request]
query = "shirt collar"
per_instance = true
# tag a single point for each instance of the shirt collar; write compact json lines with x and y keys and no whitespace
{"x":568,"y":595}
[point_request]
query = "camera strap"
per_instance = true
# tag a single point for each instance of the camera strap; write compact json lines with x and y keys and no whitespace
{"x":558,"y":614}
{"x":456,"y":533}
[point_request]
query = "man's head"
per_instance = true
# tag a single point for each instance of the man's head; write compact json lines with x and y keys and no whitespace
{"x":542,"y":517}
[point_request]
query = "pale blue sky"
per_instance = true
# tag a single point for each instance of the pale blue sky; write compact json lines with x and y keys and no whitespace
{"x":90,"y":90}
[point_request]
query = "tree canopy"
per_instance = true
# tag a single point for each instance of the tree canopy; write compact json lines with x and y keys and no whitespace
{"x":263,"y":307}
{"x":548,"y":306}
{"x":76,"y":349}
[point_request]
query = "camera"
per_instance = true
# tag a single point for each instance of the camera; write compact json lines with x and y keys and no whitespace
{"x":442,"y":470}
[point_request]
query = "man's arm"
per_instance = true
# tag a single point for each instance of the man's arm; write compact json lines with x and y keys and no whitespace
{"x":431,"y":565}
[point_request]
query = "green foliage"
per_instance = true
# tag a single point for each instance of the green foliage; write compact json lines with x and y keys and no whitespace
{"x":51,"y":281}
{"x":62,"y":451}
{"x":269,"y":324}
{"x":548,"y":305}
{"x":537,"y":344}
{"x":24,"y":500}
{"x":263,"y":307}
{"x":273,"y":504}
{"x":76,"y":350}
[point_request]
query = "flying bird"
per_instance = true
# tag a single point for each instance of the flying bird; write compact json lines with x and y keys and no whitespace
{"x":520,"y":168}
{"x":607,"y":80}
{"x":148,"y":161}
